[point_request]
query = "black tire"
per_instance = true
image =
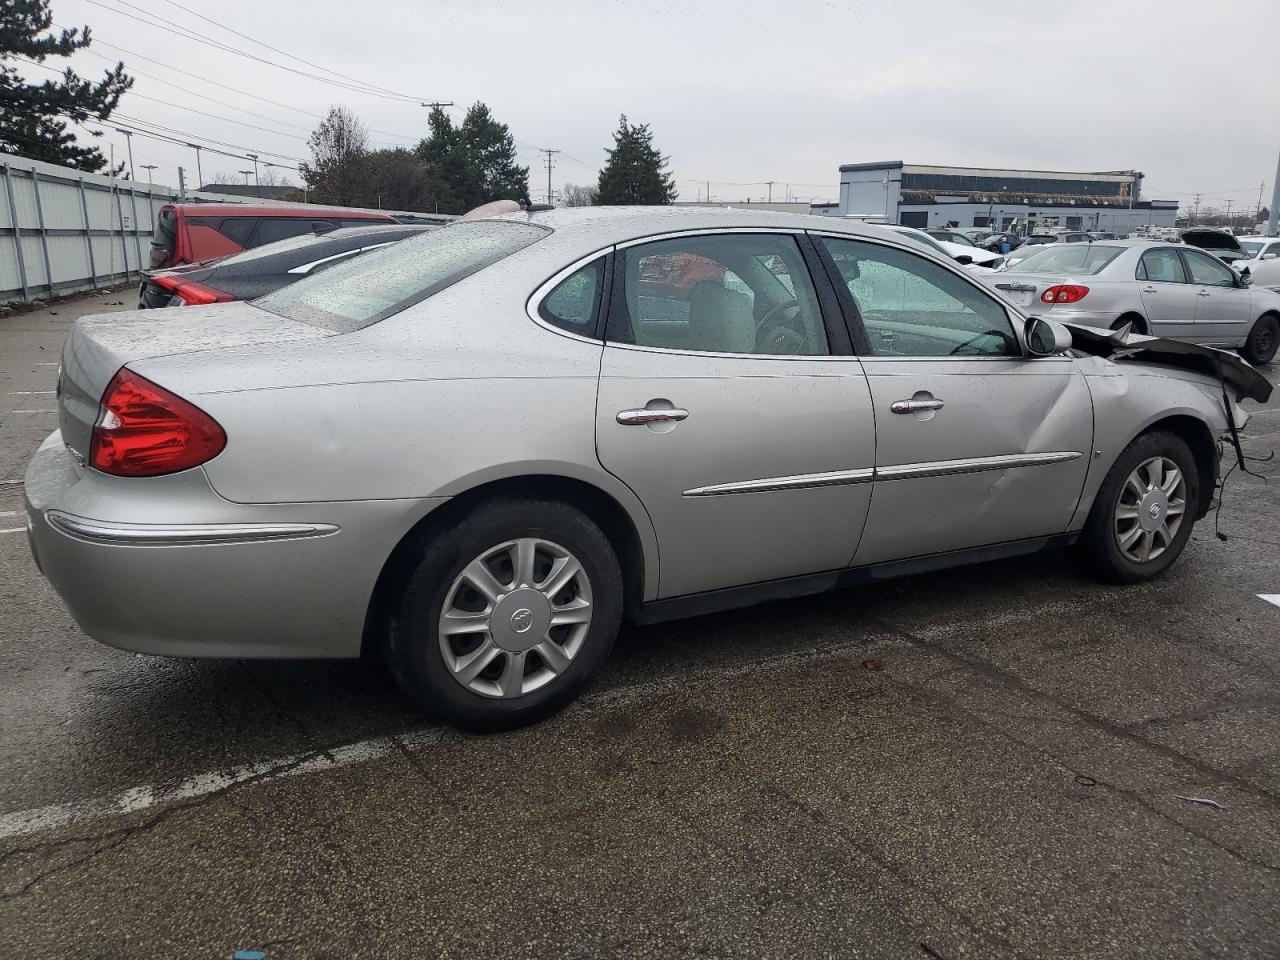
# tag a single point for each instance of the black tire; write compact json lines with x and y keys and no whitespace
{"x":1098,"y":547}
{"x":1263,"y":340}
{"x":413,"y":643}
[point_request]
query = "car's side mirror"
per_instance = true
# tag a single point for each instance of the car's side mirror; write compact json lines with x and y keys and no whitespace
{"x":964,"y":259}
{"x":1046,"y":337}
{"x":1269,"y":256}
{"x":1245,"y":279}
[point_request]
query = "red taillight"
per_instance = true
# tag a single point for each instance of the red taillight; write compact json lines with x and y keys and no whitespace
{"x":191,"y":293}
{"x":1064,"y":293}
{"x":144,"y":430}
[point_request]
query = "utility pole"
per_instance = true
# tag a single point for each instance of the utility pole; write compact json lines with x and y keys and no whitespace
{"x":1257,"y":215}
{"x":246,"y":175}
{"x":1230,"y":222}
{"x":770,"y":183}
{"x":254,"y":158}
{"x":438,"y":104}
{"x":199,"y":172}
{"x":128,"y":139}
{"x":149,"y":167}
{"x":1195,"y":211}
{"x":182,"y":184}
{"x":550,"y":154}
{"x":1275,"y":202}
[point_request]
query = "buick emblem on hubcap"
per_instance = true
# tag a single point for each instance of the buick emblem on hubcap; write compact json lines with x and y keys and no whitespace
{"x":522,"y":620}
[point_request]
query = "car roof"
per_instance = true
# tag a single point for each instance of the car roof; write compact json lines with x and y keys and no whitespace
{"x":256,"y":210}
{"x":617,"y":224}
{"x":381,"y":229}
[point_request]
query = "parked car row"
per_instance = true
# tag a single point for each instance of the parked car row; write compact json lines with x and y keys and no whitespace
{"x":481,"y":448}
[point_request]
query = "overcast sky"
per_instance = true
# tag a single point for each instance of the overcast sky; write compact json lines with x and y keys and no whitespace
{"x":737,"y":93}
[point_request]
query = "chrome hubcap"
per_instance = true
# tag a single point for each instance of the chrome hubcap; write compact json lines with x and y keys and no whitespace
{"x":1150,"y":509}
{"x":515,"y":617}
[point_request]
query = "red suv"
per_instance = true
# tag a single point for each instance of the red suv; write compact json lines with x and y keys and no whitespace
{"x":191,"y":232}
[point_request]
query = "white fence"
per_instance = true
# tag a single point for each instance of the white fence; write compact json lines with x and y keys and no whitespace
{"x":63,"y":230}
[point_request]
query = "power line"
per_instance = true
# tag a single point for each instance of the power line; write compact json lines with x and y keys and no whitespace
{"x":169,"y":26}
{"x":276,"y":49}
{"x":216,"y":83}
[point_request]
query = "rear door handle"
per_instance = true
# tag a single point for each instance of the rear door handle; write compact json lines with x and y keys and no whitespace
{"x":916,"y":406}
{"x":1203,"y":293}
{"x":632,"y":418}
{"x":1149,"y":289}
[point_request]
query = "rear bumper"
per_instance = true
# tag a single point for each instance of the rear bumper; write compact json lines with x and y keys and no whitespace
{"x":166,"y":566}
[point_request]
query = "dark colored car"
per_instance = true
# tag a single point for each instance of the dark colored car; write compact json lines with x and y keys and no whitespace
{"x":252,"y":273}
{"x":193,"y":232}
{"x":1001,"y":242}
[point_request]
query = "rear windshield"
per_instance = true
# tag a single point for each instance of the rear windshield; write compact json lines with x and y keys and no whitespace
{"x":1078,"y":259}
{"x":354,"y":295}
{"x":1252,"y":247}
{"x":271,"y":249}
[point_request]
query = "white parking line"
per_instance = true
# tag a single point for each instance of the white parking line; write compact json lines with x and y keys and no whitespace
{"x":20,"y":822}
{"x":48,"y":363}
{"x":141,"y":798}
{"x":1270,"y":598}
{"x":32,"y":393}
{"x":14,"y":530}
{"x":35,"y":411}
{"x":10,"y":513}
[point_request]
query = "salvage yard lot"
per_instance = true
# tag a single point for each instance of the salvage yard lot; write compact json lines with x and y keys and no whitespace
{"x":985,"y":762}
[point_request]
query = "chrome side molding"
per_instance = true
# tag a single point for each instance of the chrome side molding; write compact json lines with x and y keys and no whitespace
{"x":802,"y":481}
{"x":946,"y":468}
{"x":178,"y":535}
{"x":905,"y":471}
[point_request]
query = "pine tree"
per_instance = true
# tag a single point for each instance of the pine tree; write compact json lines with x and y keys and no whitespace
{"x":472,"y":163}
{"x":634,"y":172}
{"x":34,"y":117}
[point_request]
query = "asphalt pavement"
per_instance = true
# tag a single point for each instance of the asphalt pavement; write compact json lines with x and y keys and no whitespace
{"x":1006,"y":760}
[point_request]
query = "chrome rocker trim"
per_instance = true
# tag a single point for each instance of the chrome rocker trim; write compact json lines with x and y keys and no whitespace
{"x":905,"y":471}
{"x":157,"y":535}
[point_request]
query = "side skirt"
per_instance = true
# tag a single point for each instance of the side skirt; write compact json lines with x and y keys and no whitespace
{"x":729,"y":598}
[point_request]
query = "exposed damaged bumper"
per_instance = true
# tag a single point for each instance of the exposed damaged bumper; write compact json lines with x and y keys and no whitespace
{"x":1235,"y":373}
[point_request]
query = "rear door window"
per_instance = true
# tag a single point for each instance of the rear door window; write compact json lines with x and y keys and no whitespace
{"x":273,"y":229}
{"x":239,"y":229}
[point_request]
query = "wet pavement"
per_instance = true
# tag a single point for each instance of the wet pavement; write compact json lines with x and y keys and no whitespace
{"x":985,"y":762}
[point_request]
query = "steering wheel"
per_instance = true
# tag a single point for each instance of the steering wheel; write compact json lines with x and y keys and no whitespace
{"x":776,"y":333}
{"x":999,"y":334}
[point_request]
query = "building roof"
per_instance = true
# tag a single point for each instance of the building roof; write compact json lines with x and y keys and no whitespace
{"x":1023,"y":197}
{"x":993,"y":171}
{"x":264,"y":192}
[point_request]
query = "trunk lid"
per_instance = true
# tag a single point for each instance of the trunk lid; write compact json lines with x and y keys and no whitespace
{"x":98,"y":346}
{"x":1024,"y":289}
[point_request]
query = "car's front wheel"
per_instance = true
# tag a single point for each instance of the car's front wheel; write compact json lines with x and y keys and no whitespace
{"x":1263,"y":341}
{"x":511,"y":611}
{"x":1142,"y":516}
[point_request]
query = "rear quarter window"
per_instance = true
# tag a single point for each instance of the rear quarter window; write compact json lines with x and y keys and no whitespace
{"x":358,"y":293}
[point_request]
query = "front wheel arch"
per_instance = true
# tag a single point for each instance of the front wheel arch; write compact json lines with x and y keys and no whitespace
{"x":1197,"y":435}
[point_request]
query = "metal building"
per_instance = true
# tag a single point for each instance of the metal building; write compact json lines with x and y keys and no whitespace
{"x":1027,"y":200}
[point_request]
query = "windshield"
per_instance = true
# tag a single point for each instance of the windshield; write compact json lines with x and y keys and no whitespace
{"x":1252,"y":247}
{"x":960,"y":238}
{"x":354,"y":295}
{"x":1079,"y":259}
{"x":925,"y":241}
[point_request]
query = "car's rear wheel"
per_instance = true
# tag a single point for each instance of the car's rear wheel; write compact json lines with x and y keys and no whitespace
{"x":1143,"y":513}
{"x":510,"y":613}
{"x":1139,"y":324}
{"x":1263,"y":341}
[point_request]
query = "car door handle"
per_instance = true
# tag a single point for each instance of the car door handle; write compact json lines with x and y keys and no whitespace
{"x":1203,"y":293}
{"x":1150,"y":289}
{"x":916,"y":406}
{"x":633,"y":418}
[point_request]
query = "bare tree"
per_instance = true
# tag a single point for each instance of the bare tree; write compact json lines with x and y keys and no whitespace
{"x":338,"y":149}
{"x":573,"y":195}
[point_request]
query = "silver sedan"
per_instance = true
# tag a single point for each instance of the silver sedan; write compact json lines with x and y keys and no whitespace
{"x":482,"y":449}
{"x":1169,"y":290}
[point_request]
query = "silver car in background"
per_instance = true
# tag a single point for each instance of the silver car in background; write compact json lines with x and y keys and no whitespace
{"x":482,"y":449}
{"x":1161,"y":289}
